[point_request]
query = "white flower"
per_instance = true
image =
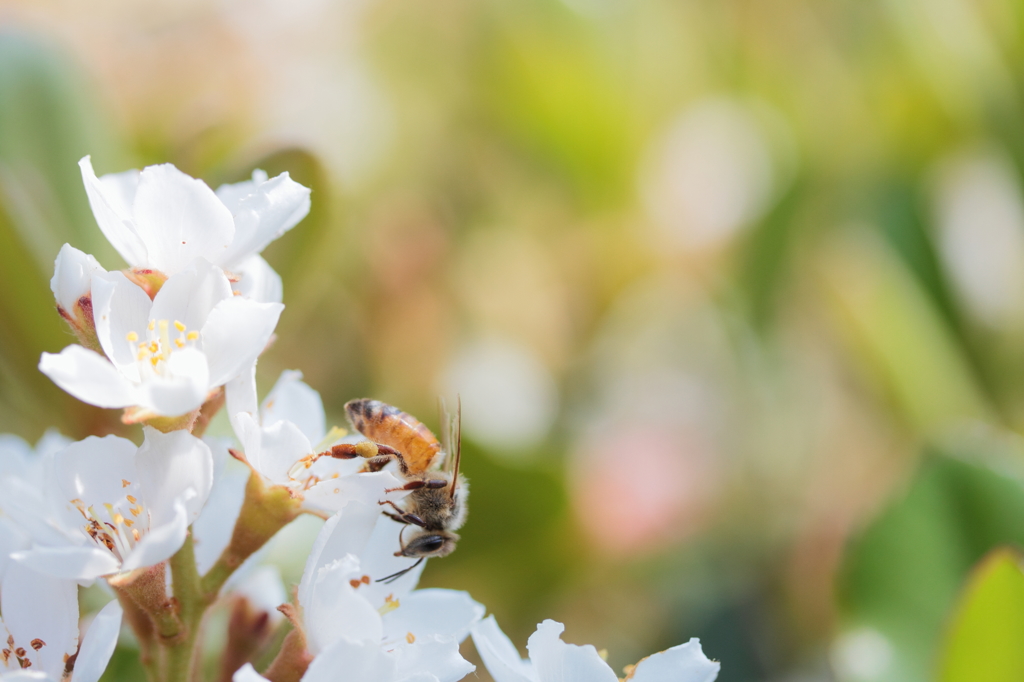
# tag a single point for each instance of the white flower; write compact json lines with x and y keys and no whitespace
{"x":552,"y":660}
{"x":114,"y":507}
{"x":40,"y":630}
{"x":19,"y":460}
{"x":212,"y":531}
{"x":162,"y":219}
{"x":288,"y":428}
{"x":167,"y":354}
{"x":375,"y":632}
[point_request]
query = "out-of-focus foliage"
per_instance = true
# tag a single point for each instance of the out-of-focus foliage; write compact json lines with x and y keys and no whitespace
{"x":985,"y":633}
{"x":710,"y":277}
{"x":905,"y":570}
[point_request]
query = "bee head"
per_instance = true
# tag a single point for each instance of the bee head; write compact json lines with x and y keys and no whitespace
{"x":429,"y":544}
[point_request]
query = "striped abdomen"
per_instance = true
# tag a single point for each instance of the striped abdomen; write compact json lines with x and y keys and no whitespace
{"x":383,"y":423}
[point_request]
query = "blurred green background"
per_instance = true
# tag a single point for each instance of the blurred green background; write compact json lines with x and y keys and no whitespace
{"x":732,"y":291}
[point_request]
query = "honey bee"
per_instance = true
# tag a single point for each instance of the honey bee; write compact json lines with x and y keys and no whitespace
{"x":436,"y":504}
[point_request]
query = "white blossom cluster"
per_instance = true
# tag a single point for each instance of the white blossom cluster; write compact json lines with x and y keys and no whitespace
{"x":169,"y":340}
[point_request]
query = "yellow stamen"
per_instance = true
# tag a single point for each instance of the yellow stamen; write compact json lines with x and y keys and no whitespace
{"x":390,"y":604}
{"x":152,"y":325}
{"x":179,"y":343}
{"x":125,"y":483}
{"x":131,"y":498}
{"x":165,"y":337}
{"x":410,"y":638}
{"x":132,"y":336}
{"x":179,"y":326}
{"x":192,"y":335}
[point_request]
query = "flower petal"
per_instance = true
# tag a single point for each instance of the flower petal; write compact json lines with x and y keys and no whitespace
{"x":281,"y":446}
{"x":378,"y":560}
{"x":240,"y":394}
{"x":15,"y":455}
{"x":160,"y":542}
{"x":556,"y":661}
{"x":72,"y":276}
{"x":89,"y":377}
{"x":41,"y":607}
{"x":258,"y":280}
{"x":437,"y":657}
{"x":190,"y":295}
{"x":234,"y":335}
{"x":499,"y":655}
{"x":98,"y":644}
{"x":273,"y":208}
{"x":231,"y":194}
{"x":182,"y":388}
{"x":12,"y":539}
{"x":69,"y":563}
{"x":338,"y":610}
{"x":29,"y":508}
{"x":292,"y":400}
{"x":361,"y":661}
{"x":681,"y":663}
{"x":347,"y":532}
{"x":110,"y":200}
{"x":92,"y":471}
{"x":448,"y":613}
{"x":170,"y":464}
{"x":120,"y":307}
{"x":333,"y":494}
{"x":179,"y":218}
{"x":212,"y":530}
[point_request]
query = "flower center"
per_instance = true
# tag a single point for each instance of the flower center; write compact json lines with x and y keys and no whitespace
{"x":153,"y":352}
{"x":114,"y":528}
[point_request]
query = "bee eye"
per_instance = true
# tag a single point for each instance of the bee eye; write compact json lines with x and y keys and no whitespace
{"x":433,"y":544}
{"x":425,"y":546}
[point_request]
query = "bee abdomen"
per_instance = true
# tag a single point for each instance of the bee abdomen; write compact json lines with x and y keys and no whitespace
{"x":383,"y":423}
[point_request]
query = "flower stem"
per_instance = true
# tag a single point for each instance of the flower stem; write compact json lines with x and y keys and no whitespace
{"x":147,"y":589}
{"x":207,"y":412}
{"x":265,"y":510}
{"x":181,"y":655}
{"x":142,"y":626}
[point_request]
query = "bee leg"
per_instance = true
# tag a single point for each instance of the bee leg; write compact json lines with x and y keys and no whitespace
{"x":402,"y":516}
{"x":377,"y":455}
{"x":432,"y":484}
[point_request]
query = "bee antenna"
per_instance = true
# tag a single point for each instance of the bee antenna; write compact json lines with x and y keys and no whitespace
{"x":457,"y":437}
{"x":401,"y":543}
{"x":388,"y":579}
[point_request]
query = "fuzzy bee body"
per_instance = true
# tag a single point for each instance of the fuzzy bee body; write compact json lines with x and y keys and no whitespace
{"x":436,"y":503}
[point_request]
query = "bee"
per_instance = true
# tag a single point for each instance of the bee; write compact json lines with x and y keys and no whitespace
{"x":436,"y":504}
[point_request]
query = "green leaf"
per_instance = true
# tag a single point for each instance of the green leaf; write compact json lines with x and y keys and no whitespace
{"x":902,"y":574}
{"x":985,"y":641}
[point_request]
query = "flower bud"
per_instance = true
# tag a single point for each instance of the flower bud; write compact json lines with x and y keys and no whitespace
{"x":72,"y":288}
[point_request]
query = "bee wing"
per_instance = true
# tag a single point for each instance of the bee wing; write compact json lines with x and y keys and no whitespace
{"x":445,"y":431}
{"x":451,"y":437}
{"x":455,"y":438}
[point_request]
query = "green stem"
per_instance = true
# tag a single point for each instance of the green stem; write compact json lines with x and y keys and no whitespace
{"x":266,"y":510}
{"x":181,"y":654}
{"x":142,"y":626}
